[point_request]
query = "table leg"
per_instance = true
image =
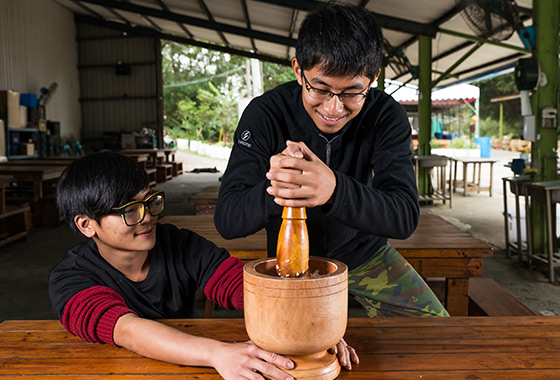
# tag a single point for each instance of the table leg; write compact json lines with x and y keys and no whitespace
{"x":518,"y":226}
{"x":38,"y":189}
{"x":506,"y":218}
{"x":478,"y":178}
{"x":457,"y":301}
{"x":550,"y":237}
{"x":491,"y":174}
{"x":454,"y":186}
{"x":465,"y":180}
{"x":529,"y":231}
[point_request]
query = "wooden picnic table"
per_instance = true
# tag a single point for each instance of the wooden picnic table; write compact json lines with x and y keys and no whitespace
{"x":475,"y":184}
{"x":36,"y":174}
{"x":141,"y":158}
{"x":157,"y":156}
{"x":436,"y":249}
{"x":39,"y":162}
{"x":482,"y":348}
{"x":205,"y":201}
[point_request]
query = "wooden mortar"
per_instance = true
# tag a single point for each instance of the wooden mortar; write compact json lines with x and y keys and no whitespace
{"x":300,"y":318}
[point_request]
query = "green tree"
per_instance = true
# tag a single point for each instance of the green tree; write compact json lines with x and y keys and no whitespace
{"x":275,"y":75}
{"x":187,"y":69}
{"x":489,"y":112}
{"x":202,"y":88}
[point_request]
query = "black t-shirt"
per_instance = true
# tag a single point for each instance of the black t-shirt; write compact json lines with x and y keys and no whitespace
{"x":181,"y":262}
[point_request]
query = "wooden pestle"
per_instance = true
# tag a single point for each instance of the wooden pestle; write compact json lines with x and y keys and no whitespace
{"x":292,"y":250}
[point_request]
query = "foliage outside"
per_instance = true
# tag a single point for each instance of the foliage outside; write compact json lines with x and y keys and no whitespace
{"x":202,"y":89}
{"x":490,"y":112}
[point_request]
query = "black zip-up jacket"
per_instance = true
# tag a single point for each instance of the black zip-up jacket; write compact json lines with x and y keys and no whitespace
{"x":375,"y":197}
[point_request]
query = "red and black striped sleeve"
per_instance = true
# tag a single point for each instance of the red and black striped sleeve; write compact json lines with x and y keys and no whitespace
{"x":92,"y":313}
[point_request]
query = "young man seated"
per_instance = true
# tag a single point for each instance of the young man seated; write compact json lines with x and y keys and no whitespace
{"x":133,"y":270}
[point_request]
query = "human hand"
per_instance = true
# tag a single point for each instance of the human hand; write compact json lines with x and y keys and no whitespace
{"x":246,"y":361}
{"x":346,"y":354}
{"x":300,"y":183}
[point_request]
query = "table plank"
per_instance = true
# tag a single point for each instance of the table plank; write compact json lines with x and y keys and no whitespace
{"x":492,"y":348}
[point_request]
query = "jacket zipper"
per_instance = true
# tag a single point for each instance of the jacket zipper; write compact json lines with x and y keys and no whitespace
{"x":329,"y":149}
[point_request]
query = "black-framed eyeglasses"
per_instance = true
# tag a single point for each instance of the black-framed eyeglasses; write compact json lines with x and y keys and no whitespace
{"x":348,"y":98}
{"x":133,"y":213}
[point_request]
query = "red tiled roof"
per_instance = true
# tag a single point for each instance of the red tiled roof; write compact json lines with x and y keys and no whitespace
{"x":443,"y":103}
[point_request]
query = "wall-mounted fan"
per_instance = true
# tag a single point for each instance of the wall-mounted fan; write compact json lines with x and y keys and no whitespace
{"x":496,"y":20}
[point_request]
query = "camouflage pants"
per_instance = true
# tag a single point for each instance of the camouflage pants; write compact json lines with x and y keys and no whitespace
{"x":388,"y":286}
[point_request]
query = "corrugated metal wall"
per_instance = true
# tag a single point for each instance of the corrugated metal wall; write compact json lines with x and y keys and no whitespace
{"x":38,"y":47}
{"x":111,"y":102}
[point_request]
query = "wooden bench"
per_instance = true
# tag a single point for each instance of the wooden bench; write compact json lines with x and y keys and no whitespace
{"x":45,"y":212}
{"x":488,"y":298}
{"x":164,"y":172}
{"x":15,"y":222}
{"x":177,"y":168}
{"x":152,"y":175}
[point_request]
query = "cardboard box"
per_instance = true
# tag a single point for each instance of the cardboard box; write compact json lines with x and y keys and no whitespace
{"x":27,"y":149}
{"x":128,"y":141}
{"x":9,"y":108}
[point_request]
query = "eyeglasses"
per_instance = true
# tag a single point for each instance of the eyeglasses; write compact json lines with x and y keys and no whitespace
{"x":134,"y":212}
{"x":348,"y":98}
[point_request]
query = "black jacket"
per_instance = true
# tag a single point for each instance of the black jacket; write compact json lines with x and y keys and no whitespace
{"x":376,"y":195}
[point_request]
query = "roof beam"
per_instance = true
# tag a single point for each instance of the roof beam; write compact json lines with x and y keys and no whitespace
{"x":216,"y":26}
{"x":148,"y":32}
{"x":248,"y":22}
{"x":385,"y":21}
{"x":202,"y":5}
{"x":166,"y":8}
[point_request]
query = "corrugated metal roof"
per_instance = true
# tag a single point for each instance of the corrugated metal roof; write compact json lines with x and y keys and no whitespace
{"x":267,"y":29}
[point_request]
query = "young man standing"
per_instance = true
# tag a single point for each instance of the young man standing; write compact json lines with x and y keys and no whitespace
{"x":356,"y":178}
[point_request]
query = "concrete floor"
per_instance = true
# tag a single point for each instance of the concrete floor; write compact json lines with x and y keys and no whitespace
{"x":25,"y":265}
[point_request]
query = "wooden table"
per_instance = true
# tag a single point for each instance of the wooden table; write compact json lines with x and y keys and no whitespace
{"x":476,"y":163}
{"x":436,"y":249}
{"x":156,"y":155}
{"x":37,"y":175}
{"x":39,"y":162}
{"x":141,"y":158}
{"x":205,"y":201}
{"x":482,"y":348}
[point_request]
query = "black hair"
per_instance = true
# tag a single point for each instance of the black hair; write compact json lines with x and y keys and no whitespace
{"x":343,"y":40}
{"x":94,"y":184}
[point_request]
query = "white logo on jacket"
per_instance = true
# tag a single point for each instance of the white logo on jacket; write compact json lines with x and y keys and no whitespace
{"x":245,"y":136}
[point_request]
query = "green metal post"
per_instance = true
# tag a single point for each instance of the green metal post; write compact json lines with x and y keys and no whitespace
{"x":543,"y":157}
{"x":424,"y":108}
{"x":381,"y":79}
{"x":501,"y":124}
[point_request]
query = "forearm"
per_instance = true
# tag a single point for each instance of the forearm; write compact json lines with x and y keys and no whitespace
{"x":156,"y":340}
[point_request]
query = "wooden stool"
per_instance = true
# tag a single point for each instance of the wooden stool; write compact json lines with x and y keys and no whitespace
{"x":152,"y":175}
{"x":164,"y":172}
